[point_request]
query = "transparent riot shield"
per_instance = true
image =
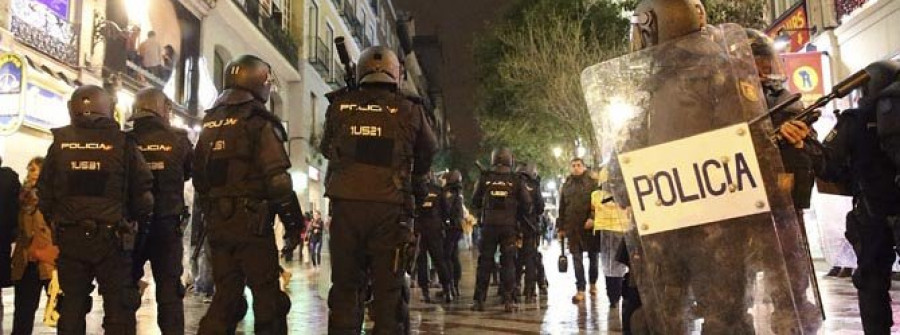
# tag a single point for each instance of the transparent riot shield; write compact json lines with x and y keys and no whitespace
{"x":714,"y":241}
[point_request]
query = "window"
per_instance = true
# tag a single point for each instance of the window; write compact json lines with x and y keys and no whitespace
{"x":218,"y":70}
{"x":329,"y":41}
{"x":313,"y":101}
{"x":313,"y":19}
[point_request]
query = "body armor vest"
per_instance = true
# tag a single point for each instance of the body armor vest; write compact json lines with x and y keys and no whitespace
{"x":91,"y":174}
{"x":164,"y":152}
{"x":500,"y":203}
{"x":431,"y":210}
{"x":373,"y":135}
{"x":224,"y":158}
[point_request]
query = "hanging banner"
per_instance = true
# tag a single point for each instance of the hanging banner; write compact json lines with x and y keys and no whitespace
{"x":793,"y":23}
{"x":12,"y":81}
{"x":804,"y":75}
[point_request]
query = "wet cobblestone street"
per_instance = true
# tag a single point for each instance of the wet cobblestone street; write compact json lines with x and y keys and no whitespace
{"x":554,"y":314}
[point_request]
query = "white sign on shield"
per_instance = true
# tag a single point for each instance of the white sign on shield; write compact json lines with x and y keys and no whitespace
{"x":693,"y":181}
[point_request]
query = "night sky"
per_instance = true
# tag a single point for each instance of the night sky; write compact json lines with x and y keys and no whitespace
{"x":456,"y":22}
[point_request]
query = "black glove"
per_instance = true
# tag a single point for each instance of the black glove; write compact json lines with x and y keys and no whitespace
{"x":290,"y":213}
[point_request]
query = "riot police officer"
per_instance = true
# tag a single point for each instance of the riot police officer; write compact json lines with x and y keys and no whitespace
{"x":430,"y":224}
{"x":502,"y":198}
{"x":379,"y":146}
{"x":862,"y":153}
{"x":242,"y":183}
{"x":799,"y":169}
{"x":93,"y":182}
{"x":453,"y":203}
{"x":168,"y":153}
{"x":529,"y":261}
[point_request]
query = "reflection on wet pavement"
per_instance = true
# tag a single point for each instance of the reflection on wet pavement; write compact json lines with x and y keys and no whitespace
{"x":554,"y":314}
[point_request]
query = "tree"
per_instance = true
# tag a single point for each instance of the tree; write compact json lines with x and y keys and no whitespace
{"x":747,"y":13}
{"x":530,"y":64}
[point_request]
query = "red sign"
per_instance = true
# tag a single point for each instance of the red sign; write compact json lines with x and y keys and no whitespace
{"x":794,"y":24}
{"x":804,"y":74}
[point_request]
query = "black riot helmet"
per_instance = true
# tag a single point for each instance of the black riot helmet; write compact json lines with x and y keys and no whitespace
{"x":528,"y":169}
{"x":378,"y":64}
{"x":768,"y":63}
{"x":249,"y":73}
{"x":881,"y":74}
{"x":453,"y":177}
{"x":90,"y":102}
{"x":152,"y":102}
{"x":502,"y":156}
{"x":658,"y":21}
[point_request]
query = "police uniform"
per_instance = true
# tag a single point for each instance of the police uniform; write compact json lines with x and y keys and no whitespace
{"x":377,"y":141}
{"x":430,"y":228}
{"x":242,"y":181}
{"x":529,"y":262}
{"x":501,"y":197}
{"x":453,"y":202}
{"x":94,"y":179}
{"x":861,"y":153}
{"x":168,"y":153}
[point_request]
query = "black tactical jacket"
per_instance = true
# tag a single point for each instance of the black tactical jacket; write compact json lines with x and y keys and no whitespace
{"x":376,"y":141}
{"x":94,"y":171}
{"x":169,"y":155}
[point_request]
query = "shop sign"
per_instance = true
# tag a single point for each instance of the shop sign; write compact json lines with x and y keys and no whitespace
{"x":793,"y":23}
{"x":12,"y":78}
{"x":804,"y":75}
{"x":44,"y":108}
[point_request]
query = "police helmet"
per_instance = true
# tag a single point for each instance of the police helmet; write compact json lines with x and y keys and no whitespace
{"x":151,"y":102}
{"x":771,"y":71}
{"x":378,"y":64}
{"x":90,"y":102}
{"x":658,"y":21}
{"x":528,"y":169}
{"x":249,"y":73}
{"x":502,"y":156}
{"x":453,"y":177}
{"x":881,"y":74}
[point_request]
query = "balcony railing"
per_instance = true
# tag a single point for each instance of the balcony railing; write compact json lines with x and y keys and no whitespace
{"x":320,"y":56}
{"x":845,"y":7}
{"x":33,"y":24}
{"x":272,"y":29}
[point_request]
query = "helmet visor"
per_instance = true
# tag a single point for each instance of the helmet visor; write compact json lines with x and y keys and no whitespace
{"x":770,"y":68}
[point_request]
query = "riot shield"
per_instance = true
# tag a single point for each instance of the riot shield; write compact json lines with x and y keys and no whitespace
{"x":714,"y":240}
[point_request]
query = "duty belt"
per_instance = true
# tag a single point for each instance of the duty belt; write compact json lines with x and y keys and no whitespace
{"x":91,"y":227}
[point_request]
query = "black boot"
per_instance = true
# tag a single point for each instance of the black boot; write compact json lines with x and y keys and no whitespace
{"x":425,"y":296}
{"x":447,"y":294}
{"x":478,"y":306}
{"x":833,"y":272}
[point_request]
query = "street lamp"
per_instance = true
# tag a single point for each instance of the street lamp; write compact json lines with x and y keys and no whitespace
{"x":580,"y":151}
{"x":557,"y":152}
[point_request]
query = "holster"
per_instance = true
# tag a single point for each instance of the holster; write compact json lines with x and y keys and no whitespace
{"x":259,"y":218}
{"x":127,"y":233}
{"x":184,"y":220}
{"x":407,"y":249}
